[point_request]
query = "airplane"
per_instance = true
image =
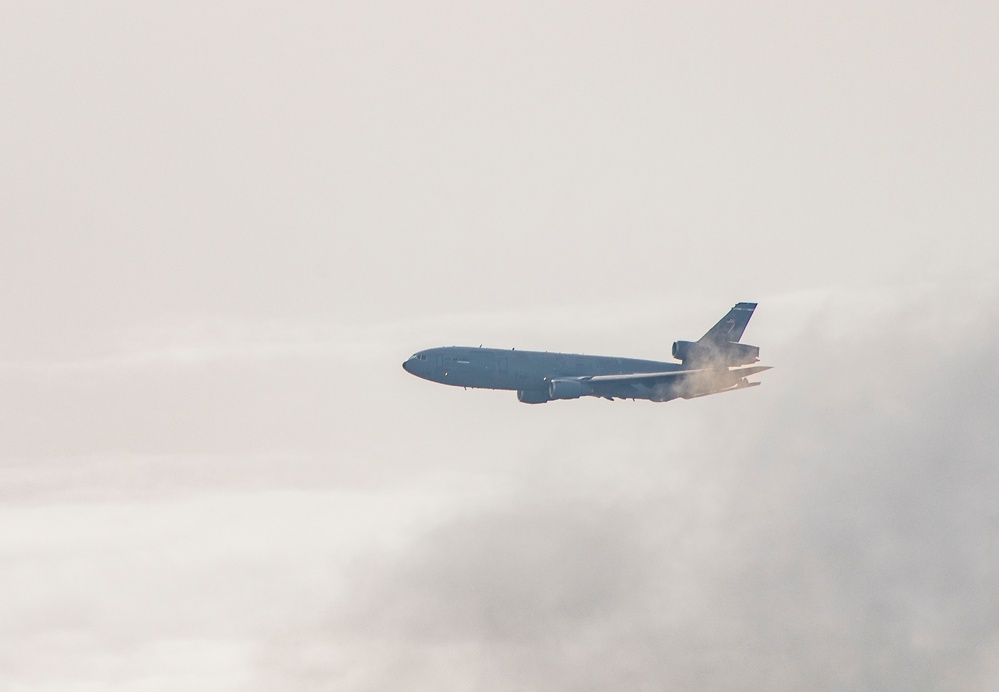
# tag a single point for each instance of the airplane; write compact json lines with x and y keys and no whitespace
{"x":710,"y":365}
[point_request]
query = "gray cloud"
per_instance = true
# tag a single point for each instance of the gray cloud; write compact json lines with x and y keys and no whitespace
{"x":834,"y":525}
{"x":835,"y":532}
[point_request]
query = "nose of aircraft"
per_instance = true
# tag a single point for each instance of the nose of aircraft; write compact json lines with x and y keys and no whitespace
{"x":405,"y":365}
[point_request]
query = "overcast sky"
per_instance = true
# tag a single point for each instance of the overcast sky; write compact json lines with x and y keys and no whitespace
{"x":225,"y":225}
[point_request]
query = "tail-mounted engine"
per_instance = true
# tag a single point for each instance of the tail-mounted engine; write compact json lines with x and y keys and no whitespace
{"x":710,"y":354}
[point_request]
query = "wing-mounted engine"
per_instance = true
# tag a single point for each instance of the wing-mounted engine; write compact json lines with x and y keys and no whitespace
{"x":568,"y":389}
{"x":532,"y":396}
{"x":713,"y":354}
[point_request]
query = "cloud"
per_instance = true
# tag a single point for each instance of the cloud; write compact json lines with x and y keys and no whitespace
{"x":313,"y":521}
{"x":834,"y":532}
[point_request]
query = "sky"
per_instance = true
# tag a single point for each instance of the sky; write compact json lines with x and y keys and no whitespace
{"x":225,"y":225}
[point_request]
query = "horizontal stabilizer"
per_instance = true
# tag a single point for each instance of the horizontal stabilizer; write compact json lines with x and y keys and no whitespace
{"x":722,"y":391}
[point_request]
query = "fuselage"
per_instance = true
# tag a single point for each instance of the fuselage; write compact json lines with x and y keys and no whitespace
{"x":493,"y":368}
{"x":710,"y":365}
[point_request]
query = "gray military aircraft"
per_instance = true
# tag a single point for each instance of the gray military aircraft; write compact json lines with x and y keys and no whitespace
{"x":709,"y":365}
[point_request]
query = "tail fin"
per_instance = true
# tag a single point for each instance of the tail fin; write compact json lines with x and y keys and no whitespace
{"x":731,"y":327}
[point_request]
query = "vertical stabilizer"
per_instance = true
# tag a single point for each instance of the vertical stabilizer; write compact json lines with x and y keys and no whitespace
{"x":731,"y":327}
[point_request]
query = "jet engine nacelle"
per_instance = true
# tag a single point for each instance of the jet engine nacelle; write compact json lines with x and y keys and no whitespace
{"x":568,"y":389}
{"x":715,"y":354}
{"x":532,"y":396}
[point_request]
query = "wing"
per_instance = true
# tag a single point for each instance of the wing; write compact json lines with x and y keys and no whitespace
{"x":663,"y":386}
{"x":651,"y":378}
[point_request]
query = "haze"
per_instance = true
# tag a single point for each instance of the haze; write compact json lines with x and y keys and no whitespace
{"x":225,"y":225}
